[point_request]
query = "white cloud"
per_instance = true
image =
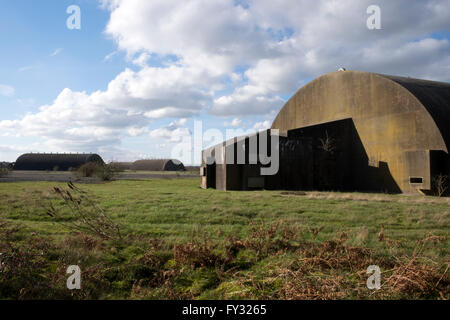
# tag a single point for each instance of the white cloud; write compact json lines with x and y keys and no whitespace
{"x":109,"y":56}
{"x":210,"y":35}
{"x":26,"y":68}
{"x":137,"y":131}
{"x":262,"y":125}
{"x":174,"y":132}
{"x":10,"y":153}
{"x":6,"y":90}
{"x":142,"y":59}
{"x":236,"y":122}
{"x":26,"y":102}
{"x":233,"y":59}
{"x":246,"y":100}
{"x":56,"y":52}
{"x":93,"y":121}
{"x":170,"y":112}
{"x":281,"y":43}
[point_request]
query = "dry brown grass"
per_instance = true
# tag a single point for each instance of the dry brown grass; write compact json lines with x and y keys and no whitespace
{"x":87,"y":215}
{"x":272,"y":262}
{"x":355,"y":196}
{"x":332,"y":270}
{"x":196,"y":254}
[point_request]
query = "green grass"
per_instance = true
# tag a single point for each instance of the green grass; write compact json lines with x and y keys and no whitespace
{"x":176,"y":208}
{"x":177,"y":211}
{"x":170,"y":173}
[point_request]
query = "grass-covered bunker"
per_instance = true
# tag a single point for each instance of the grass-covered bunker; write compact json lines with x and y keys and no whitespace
{"x":352,"y":131}
{"x":158,"y":165}
{"x":55,"y":161}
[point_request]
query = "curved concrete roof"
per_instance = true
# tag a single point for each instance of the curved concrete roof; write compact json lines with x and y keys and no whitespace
{"x":434,"y":96}
{"x":158,"y":165}
{"x":392,"y":115}
{"x":47,"y":161}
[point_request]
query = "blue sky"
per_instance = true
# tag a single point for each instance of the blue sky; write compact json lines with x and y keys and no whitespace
{"x":31,"y":34}
{"x":133,"y":80}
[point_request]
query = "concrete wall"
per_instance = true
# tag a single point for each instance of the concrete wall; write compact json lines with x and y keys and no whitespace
{"x":390,"y":134}
{"x":390,"y":120}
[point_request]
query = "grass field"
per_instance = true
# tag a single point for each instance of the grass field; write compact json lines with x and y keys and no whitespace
{"x":66,"y":176}
{"x":178,"y":241}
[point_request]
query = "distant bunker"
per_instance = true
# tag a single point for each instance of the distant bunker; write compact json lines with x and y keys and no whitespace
{"x":122,"y":165}
{"x":347,"y":131}
{"x":158,"y":165}
{"x":55,"y":161}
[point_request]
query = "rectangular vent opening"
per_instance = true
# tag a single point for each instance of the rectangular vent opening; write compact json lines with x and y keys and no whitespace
{"x":415,"y":180}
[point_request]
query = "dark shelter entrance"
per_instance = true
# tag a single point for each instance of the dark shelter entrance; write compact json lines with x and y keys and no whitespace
{"x":328,"y":156}
{"x":211,"y":175}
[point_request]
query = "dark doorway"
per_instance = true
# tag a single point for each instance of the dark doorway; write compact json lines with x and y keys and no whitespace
{"x":211,"y":175}
{"x":331,"y":157}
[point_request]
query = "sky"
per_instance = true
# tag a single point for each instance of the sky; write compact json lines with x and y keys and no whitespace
{"x":138,"y":77}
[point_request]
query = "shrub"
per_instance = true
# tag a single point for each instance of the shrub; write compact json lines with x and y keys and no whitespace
{"x":105,"y":172}
{"x":4,"y":171}
{"x":88,"y":169}
{"x":89,"y":217}
{"x":36,"y":269}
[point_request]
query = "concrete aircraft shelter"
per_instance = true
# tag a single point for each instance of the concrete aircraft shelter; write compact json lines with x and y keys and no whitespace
{"x":387,"y":133}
